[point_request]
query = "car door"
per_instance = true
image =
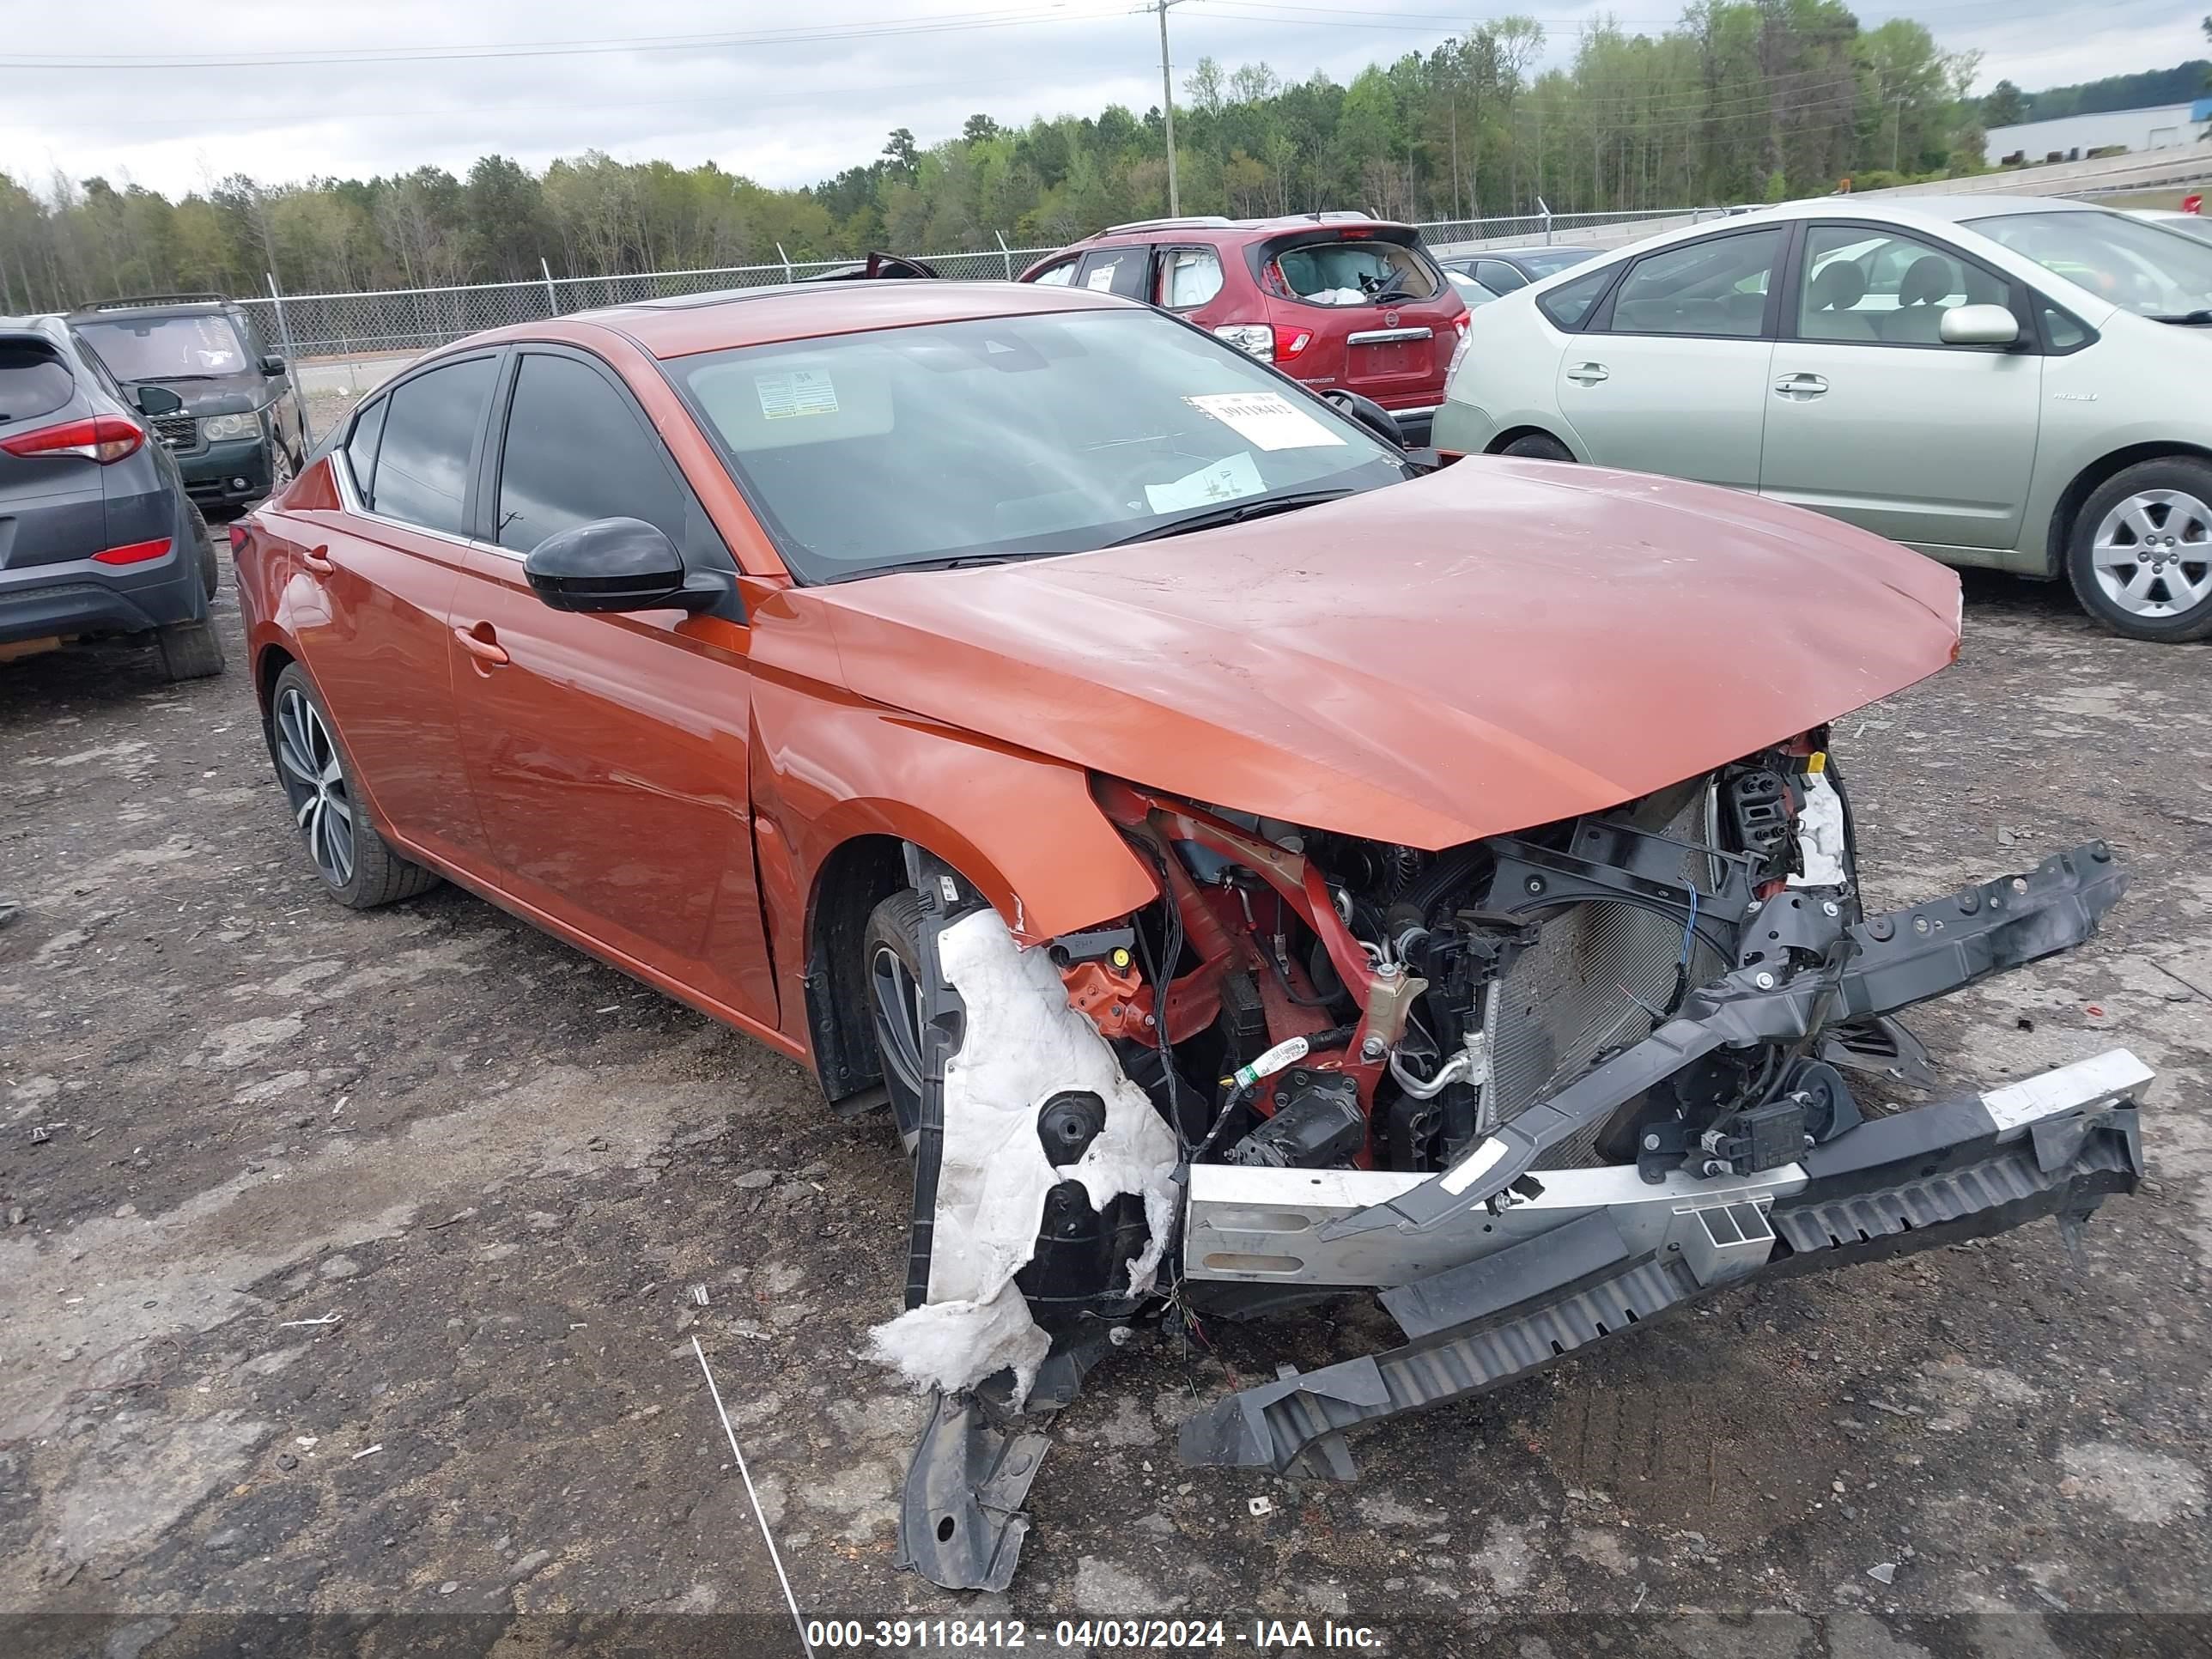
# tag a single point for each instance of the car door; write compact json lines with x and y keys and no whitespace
{"x":608,"y":752}
{"x":372,"y":582}
{"x":1870,"y":418}
{"x":1670,"y":374}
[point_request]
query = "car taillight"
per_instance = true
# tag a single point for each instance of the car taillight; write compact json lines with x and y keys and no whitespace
{"x":1289,"y":340}
{"x":1254,"y":337}
{"x":133,"y":552}
{"x":102,"y":438}
{"x":1462,"y":322}
{"x":238,"y":535}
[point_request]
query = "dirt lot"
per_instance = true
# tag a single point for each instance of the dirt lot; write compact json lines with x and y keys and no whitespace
{"x":349,"y":1262}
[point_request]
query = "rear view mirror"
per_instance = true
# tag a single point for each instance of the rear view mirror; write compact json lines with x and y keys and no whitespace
{"x":158,"y":400}
{"x":1981,"y":325}
{"x":617,"y":564}
{"x":271,"y":364}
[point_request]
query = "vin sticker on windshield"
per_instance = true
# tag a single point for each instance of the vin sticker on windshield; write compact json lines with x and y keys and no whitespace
{"x":1266,"y":419}
{"x":802,"y":391}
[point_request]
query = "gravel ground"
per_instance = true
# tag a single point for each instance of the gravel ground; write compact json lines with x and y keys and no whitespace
{"x":348,"y":1267}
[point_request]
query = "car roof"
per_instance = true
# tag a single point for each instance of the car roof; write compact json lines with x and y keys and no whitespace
{"x":1202,"y":227}
{"x":153,"y":305}
{"x":679,"y":325}
{"x":1523,"y":252}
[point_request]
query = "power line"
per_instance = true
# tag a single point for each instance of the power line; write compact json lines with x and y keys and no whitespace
{"x":955,"y":23}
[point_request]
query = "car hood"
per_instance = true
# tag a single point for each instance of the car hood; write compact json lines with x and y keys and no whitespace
{"x":227,"y":394}
{"x":1499,"y":645}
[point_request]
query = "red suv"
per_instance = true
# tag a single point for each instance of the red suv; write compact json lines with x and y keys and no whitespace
{"x":1339,"y":301}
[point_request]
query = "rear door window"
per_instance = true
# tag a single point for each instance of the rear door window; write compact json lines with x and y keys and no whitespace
{"x":575,"y":452}
{"x":1059,"y":275}
{"x":1498,"y":276}
{"x":33,"y":380}
{"x":1118,"y":271}
{"x":428,"y":442}
{"x":1715,"y":286}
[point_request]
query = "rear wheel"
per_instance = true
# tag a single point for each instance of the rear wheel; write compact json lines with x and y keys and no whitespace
{"x":211,"y":572}
{"x":193,"y":650}
{"x":890,"y":962}
{"x":2140,"y":552}
{"x":1539,"y":446}
{"x":355,"y":863}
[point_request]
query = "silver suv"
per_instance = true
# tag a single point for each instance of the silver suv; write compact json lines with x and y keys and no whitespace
{"x":2020,"y":383}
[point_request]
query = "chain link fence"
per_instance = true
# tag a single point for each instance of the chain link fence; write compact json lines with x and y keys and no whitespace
{"x":345,"y":343}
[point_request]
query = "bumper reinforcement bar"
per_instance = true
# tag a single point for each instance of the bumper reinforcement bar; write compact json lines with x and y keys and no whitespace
{"x":1576,"y":1273}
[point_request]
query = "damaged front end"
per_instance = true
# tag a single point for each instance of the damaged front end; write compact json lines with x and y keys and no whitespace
{"x":1534,"y":1089}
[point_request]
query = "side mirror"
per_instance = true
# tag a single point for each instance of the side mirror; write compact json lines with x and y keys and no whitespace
{"x":613,"y":564}
{"x":1369,"y":414}
{"x":157,"y":400}
{"x":1980,"y":325}
{"x":271,"y":364}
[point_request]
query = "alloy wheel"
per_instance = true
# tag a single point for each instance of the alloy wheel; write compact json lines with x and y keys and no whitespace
{"x":2153,"y":553}
{"x":895,"y":998}
{"x":315,"y":784}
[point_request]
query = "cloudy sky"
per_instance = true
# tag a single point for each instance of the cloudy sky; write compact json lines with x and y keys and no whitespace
{"x":173,"y":95}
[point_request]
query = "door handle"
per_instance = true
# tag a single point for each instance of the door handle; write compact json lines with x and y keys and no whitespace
{"x":1800,"y":385}
{"x":1588,"y":374}
{"x":482,"y":643}
{"x":314,"y":561}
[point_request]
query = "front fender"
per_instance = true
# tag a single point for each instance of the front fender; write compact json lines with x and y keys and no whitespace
{"x":1022,"y":829}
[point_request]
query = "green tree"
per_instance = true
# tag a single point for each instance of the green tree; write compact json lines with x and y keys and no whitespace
{"x":2005,"y":106}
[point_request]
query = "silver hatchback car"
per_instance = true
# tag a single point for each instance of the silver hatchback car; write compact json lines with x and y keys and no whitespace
{"x":2025,"y":384}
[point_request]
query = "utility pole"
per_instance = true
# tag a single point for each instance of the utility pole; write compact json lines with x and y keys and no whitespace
{"x":1896,"y":125}
{"x":1167,"y":108}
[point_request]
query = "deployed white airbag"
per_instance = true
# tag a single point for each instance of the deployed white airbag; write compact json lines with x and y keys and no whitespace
{"x":1021,"y":1045}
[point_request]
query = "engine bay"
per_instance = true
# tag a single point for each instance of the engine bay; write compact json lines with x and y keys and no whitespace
{"x":1532,"y":1090}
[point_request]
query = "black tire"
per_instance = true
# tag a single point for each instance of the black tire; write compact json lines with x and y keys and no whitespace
{"x":2177,"y":516}
{"x":190,"y":650}
{"x":210,"y":571}
{"x":1538,"y":447}
{"x":283,"y":465}
{"x":193,"y":650}
{"x":893,"y":936}
{"x":357,"y":866}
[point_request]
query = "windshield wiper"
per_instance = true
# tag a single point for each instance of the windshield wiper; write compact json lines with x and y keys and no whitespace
{"x":950,"y":561}
{"x":2194,"y":318}
{"x":1257,"y":506}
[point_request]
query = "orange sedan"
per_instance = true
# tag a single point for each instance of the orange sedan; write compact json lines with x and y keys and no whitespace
{"x":1251,"y":860}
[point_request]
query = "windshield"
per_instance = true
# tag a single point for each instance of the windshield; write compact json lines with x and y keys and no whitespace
{"x":166,"y":347}
{"x":1011,"y":437}
{"x":2184,"y":224}
{"x":2130,"y":263}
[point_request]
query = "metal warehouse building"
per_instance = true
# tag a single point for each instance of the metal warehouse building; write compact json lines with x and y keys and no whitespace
{"x":2070,"y":137}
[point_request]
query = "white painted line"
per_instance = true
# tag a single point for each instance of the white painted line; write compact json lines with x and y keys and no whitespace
{"x":767,"y":1537}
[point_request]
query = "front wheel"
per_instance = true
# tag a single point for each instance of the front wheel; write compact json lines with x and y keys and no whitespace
{"x":355,"y":861}
{"x":890,"y":963}
{"x":2140,"y":552}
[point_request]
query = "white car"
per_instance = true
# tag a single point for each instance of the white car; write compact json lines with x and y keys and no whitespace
{"x":2009,"y":382}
